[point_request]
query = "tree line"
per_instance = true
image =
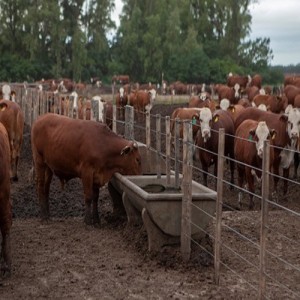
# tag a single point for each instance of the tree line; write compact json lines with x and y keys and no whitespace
{"x":193,"y":41}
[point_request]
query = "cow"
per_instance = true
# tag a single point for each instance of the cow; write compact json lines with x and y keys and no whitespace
{"x":12,"y":118}
{"x":185,"y":114}
{"x":230,"y":93}
{"x":202,"y":100}
{"x":248,"y":151}
{"x":256,"y":80}
{"x":207,"y":140}
{"x":143,"y":100}
{"x":290,"y":79}
{"x":242,"y":81}
{"x":287,"y":133}
{"x":5,"y":201}
{"x":121,"y":102}
{"x":291,"y":92}
{"x":121,"y":79}
{"x":275,"y":104}
{"x":94,"y":154}
{"x":251,"y":92}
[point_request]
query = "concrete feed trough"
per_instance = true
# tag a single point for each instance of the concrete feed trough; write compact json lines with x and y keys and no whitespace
{"x":160,"y":205}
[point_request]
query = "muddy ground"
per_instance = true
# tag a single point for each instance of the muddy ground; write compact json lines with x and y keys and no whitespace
{"x":65,"y":259}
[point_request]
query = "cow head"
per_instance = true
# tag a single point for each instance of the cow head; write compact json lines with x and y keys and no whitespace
{"x":205,"y":118}
{"x":224,"y":104}
{"x":293,"y":123}
{"x":260,"y":134}
{"x":133,"y":165}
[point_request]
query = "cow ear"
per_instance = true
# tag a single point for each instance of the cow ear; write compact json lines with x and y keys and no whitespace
{"x":216,"y":118}
{"x":3,"y":106}
{"x":273,"y":134}
{"x":125,"y":150}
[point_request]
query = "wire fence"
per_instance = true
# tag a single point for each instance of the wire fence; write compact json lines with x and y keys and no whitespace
{"x":258,"y":248}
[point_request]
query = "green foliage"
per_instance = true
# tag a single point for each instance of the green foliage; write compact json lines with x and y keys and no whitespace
{"x":193,"y":41}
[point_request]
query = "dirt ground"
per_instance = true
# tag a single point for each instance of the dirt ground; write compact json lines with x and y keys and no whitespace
{"x":65,"y":259}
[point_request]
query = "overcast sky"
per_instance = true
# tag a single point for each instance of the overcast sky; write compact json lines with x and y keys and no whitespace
{"x":277,"y":19}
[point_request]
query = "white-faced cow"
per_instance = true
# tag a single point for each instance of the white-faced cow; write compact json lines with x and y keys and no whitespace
{"x":207,"y":140}
{"x":72,"y":148}
{"x":287,"y":134}
{"x":248,"y":150}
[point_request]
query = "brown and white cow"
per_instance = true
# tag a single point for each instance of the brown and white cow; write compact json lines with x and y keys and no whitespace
{"x":207,"y":138}
{"x":242,"y":81}
{"x":185,"y":114}
{"x":142,"y":100}
{"x":72,"y":148}
{"x":291,"y":92}
{"x":256,"y":80}
{"x":275,"y":104}
{"x":233,"y":94}
{"x":287,"y":134}
{"x":248,"y":150}
{"x":12,"y":118}
{"x":5,"y":203}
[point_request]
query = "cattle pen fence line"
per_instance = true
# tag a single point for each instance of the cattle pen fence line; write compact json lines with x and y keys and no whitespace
{"x":268,"y":252}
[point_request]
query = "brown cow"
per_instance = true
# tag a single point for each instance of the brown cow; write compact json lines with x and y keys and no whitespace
{"x":292,"y":79}
{"x":287,"y":133}
{"x":12,"y":118}
{"x":207,"y":138}
{"x":242,"y":81}
{"x":256,"y":80}
{"x":291,"y":92}
{"x":121,"y":79}
{"x":142,"y":100}
{"x":202,"y":100}
{"x":94,"y":154}
{"x":5,"y":204}
{"x":275,"y":104}
{"x":248,"y":151}
{"x":225,"y":92}
{"x":185,"y":114}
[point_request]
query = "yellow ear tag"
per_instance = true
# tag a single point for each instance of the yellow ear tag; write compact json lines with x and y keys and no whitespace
{"x":216,"y":119}
{"x":3,"y":108}
{"x":273,"y":136}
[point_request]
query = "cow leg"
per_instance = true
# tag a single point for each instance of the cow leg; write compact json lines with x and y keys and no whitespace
{"x":48,"y":179}
{"x":241,"y":173}
{"x":96,"y":219}
{"x":296,"y":164}
{"x":6,"y":217}
{"x":5,"y":253}
{"x":40,"y":169}
{"x":275,"y":179}
{"x":89,"y":196}
{"x":250,"y":182}
{"x":286,"y":173}
{"x":231,"y":164}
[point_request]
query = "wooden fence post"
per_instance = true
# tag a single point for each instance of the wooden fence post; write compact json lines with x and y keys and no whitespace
{"x":168,"y":150}
{"x":148,"y":130}
{"x":264,"y":219}
{"x":129,"y":121}
{"x":217,"y":246}
{"x":176,"y":150}
{"x":114,"y":124}
{"x":158,"y":145}
{"x":187,"y":173}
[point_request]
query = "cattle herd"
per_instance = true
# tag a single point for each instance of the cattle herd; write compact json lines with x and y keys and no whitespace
{"x":249,"y":112}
